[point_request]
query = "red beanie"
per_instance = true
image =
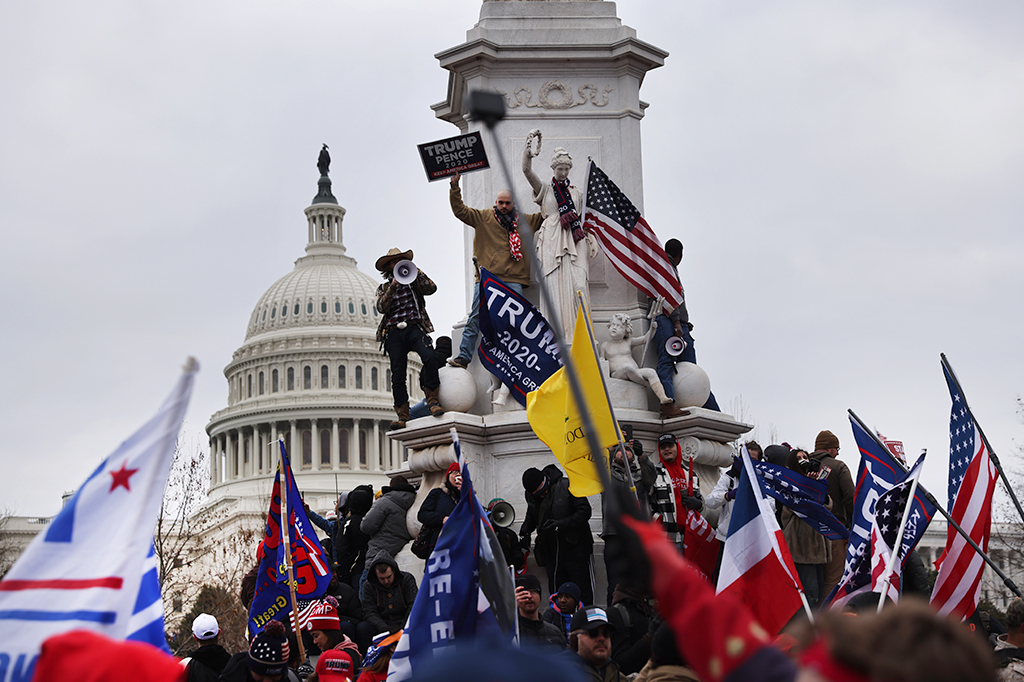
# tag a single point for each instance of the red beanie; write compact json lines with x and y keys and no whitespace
{"x":91,"y":657}
{"x":324,"y":615}
{"x":454,"y":466}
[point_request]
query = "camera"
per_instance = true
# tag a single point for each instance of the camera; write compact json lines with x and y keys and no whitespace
{"x":810,"y":466}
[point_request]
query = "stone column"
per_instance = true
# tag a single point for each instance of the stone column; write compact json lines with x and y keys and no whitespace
{"x":314,"y":434}
{"x":229,"y":464}
{"x":353,"y":450}
{"x":272,"y":450}
{"x":292,"y":446}
{"x":374,"y":449}
{"x":335,"y":447}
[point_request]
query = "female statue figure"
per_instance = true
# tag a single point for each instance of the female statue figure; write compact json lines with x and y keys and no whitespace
{"x":563,"y":246}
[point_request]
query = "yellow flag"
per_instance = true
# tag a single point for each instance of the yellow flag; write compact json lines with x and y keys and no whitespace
{"x":555,"y":419}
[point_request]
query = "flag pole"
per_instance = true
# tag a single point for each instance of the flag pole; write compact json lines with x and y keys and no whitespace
{"x":285,"y":522}
{"x":589,"y":430}
{"x":604,"y":384}
{"x":898,"y":544}
{"x":991,"y":452}
{"x":1010,"y":585}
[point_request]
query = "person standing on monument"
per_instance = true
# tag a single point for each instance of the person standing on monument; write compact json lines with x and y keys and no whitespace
{"x":498,"y":248}
{"x":404,"y":326}
{"x":675,"y":323}
{"x":563,"y":246}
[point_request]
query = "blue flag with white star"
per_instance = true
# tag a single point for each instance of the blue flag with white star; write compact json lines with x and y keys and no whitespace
{"x":803,"y":495}
{"x":93,"y":567}
{"x":467,"y":591}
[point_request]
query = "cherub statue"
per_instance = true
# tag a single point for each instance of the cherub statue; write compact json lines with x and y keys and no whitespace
{"x":618,"y":352}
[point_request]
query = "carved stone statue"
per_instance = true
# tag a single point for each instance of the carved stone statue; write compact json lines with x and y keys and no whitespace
{"x":618,"y":352}
{"x":323,"y":163}
{"x":563,"y":247}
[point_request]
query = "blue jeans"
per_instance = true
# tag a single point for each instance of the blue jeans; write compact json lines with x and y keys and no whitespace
{"x":471,"y":332}
{"x":666,"y":363}
{"x":418,"y":410}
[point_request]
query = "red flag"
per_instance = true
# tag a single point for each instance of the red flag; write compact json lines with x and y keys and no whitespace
{"x":700,"y":544}
{"x":972,"y":480}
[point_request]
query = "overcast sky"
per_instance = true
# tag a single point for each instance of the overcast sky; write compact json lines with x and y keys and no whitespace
{"x":846,"y":178}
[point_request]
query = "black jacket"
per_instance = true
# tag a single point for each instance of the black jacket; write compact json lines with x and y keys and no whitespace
{"x":440,"y":503}
{"x":387,"y":608}
{"x":560,"y":519}
{"x":207,"y":663}
{"x":237,"y":670}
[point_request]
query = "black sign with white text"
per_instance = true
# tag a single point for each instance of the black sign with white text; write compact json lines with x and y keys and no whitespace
{"x":455,"y":155}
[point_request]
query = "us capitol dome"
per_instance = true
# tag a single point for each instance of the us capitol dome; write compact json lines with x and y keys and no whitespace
{"x":310,"y":371}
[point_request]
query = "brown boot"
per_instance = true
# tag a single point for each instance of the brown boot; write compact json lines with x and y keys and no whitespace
{"x":403,"y":416}
{"x":433,"y":403}
{"x":669,"y":410}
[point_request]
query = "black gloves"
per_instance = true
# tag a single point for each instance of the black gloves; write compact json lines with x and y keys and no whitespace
{"x":524,"y":542}
{"x":552,"y":526}
{"x":624,"y":552}
{"x":694,"y":502}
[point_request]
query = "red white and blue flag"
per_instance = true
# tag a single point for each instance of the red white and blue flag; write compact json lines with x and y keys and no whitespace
{"x":757,"y":567}
{"x":889,"y":511}
{"x":310,"y":570}
{"x":972,"y":481}
{"x":93,"y":566}
{"x":628,"y":241}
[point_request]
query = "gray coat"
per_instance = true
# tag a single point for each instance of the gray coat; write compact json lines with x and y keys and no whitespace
{"x":385,"y":523}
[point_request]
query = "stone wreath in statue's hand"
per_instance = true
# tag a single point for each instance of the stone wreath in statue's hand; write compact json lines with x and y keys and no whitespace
{"x":534,"y":134}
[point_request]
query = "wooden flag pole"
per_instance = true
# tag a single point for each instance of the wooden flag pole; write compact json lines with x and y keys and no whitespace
{"x":288,"y":554}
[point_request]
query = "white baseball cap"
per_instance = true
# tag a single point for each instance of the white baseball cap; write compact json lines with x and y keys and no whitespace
{"x":205,"y":627}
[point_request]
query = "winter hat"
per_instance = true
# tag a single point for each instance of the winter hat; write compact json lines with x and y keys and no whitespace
{"x":454,"y":466}
{"x":571,"y":589}
{"x":663,"y":647}
{"x":381,"y":643}
{"x":268,"y":652}
{"x":530,"y":582}
{"x":335,"y":666}
{"x":532,"y":478}
{"x":324,"y":615}
{"x":666,"y":439}
{"x":826,"y":440}
{"x":399,"y":483}
{"x":91,"y":657}
{"x":205,"y":627}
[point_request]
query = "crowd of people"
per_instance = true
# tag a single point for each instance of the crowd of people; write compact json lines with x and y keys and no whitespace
{"x":660,"y":619}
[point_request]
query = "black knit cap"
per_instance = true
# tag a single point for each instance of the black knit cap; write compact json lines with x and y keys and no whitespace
{"x":268,"y":652}
{"x":532,"y":478}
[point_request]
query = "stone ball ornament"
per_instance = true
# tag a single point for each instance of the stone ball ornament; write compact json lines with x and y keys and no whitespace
{"x":691,"y":384}
{"x":458,"y":390}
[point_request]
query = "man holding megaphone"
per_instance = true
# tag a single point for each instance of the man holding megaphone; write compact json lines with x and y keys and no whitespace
{"x":404,"y":327}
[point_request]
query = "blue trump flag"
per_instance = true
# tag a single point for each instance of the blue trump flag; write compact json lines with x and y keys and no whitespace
{"x":310,"y":567}
{"x":803,"y":495}
{"x":516,"y":342}
{"x":93,"y":566}
{"x":467,"y":591}
{"x":878,"y":472}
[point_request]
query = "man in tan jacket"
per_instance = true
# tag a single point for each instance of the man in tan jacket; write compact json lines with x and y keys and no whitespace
{"x":497,"y":247}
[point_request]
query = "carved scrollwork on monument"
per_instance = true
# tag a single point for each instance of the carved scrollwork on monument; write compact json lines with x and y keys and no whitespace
{"x":556,"y":95}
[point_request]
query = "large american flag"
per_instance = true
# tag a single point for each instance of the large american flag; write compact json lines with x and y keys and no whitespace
{"x":628,"y":241}
{"x":972,"y":480}
{"x":889,"y":510}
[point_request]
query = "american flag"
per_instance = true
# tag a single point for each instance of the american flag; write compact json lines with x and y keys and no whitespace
{"x":972,"y":480}
{"x":628,"y":241}
{"x":889,"y":510}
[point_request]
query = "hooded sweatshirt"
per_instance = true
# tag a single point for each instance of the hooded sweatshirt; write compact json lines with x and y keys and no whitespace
{"x":387,"y":608}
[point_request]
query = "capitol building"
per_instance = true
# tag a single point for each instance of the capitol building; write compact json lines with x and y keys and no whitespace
{"x":310,"y":372}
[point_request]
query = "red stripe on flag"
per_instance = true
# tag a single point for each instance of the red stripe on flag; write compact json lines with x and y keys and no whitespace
{"x":18,"y":585}
{"x":640,"y":268}
{"x":768,"y":592}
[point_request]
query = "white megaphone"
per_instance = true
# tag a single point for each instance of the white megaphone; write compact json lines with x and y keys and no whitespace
{"x":405,"y":272}
{"x":675,"y":346}
{"x":503,"y":514}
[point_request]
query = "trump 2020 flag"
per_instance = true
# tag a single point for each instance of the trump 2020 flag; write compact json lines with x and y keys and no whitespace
{"x":516,"y":342}
{"x":466,"y":592}
{"x":272,"y":599}
{"x":558,"y":422}
{"x":93,"y":567}
{"x":757,"y":567}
